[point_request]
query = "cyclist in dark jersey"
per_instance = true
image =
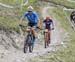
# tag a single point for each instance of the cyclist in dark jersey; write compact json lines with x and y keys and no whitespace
{"x":48,"y":22}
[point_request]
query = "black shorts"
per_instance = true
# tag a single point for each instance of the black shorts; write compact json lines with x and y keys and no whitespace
{"x":48,"y":27}
{"x":32,"y":24}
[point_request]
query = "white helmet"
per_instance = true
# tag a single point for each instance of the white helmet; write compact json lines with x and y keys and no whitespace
{"x":30,"y":8}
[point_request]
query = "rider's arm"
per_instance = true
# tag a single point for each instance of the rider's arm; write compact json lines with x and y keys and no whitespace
{"x":52,"y":25}
{"x":20,"y":21}
{"x":44,"y":22}
{"x":38,"y":20}
{"x":39,"y":23}
{"x":22,"y":18}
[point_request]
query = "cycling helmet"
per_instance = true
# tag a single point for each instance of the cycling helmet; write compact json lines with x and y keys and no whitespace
{"x":47,"y":17}
{"x":30,"y":8}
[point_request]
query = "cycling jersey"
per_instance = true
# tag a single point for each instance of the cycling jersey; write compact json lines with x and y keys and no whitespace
{"x":32,"y":18}
{"x":47,"y":23}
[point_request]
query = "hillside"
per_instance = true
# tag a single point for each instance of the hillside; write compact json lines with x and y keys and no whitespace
{"x":62,"y":45}
{"x":9,"y":17}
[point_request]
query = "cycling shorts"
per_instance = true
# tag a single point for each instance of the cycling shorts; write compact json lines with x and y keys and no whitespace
{"x":33,"y":25}
{"x":48,"y":27}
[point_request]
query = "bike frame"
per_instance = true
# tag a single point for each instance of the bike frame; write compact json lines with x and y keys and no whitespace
{"x":28,"y":42}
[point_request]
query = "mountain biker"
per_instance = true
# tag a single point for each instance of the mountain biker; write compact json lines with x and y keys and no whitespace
{"x":32,"y":18}
{"x":72,"y":16}
{"x":48,"y":22}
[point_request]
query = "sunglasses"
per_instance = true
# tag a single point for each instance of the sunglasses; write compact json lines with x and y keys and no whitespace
{"x":29,"y":11}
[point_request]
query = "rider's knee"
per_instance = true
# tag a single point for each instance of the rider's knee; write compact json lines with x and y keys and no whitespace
{"x":34,"y":32}
{"x":28,"y":28}
{"x":49,"y":31}
{"x":46,"y":30}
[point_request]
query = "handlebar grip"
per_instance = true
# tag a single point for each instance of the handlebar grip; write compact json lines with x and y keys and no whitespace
{"x":52,"y":29}
{"x":21,"y":25}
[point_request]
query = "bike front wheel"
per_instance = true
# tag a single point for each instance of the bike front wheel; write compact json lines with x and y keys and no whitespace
{"x":31,"y":48}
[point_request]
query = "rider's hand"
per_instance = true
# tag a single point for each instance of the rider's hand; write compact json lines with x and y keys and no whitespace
{"x":20,"y":25}
{"x":37,"y":27}
{"x":52,"y":28}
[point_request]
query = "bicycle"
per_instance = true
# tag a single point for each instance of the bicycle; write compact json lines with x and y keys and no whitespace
{"x":47,"y":38}
{"x":28,"y":42}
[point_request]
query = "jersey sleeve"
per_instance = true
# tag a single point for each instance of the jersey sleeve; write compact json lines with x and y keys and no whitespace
{"x":24,"y":15}
{"x":36,"y":15}
{"x":51,"y":20}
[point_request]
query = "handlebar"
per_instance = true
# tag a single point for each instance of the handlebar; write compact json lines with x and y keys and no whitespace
{"x":23,"y":26}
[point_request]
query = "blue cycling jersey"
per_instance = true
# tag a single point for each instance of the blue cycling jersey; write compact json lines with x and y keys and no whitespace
{"x":32,"y":18}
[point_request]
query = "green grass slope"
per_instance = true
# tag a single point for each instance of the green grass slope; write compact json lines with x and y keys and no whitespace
{"x":66,"y":55}
{"x":64,"y":3}
{"x":9,"y":18}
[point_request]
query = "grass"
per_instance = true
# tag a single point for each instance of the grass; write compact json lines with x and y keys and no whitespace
{"x":63,"y":54}
{"x":13,"y":2}
{"x":67,"y":55}
{"x":10,"y":23}
{"x":9,"y":18}
{"x":17,"y":12}
{"x":62,"y":2}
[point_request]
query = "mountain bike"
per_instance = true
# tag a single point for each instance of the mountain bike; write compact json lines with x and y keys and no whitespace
{"x":47,"y":38}
{"x":28,"y":42}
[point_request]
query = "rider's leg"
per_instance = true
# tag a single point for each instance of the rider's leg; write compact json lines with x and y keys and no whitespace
{"x":49,"y":34}
{"x":45,"y":31}
{"x":46,"y":37}
{"x":33,"y":32}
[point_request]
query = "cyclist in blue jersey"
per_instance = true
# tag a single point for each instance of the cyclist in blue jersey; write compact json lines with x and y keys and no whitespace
{"x":32,"y":18}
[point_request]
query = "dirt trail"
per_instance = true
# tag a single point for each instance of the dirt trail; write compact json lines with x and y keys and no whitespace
{"x":19,"y":56}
